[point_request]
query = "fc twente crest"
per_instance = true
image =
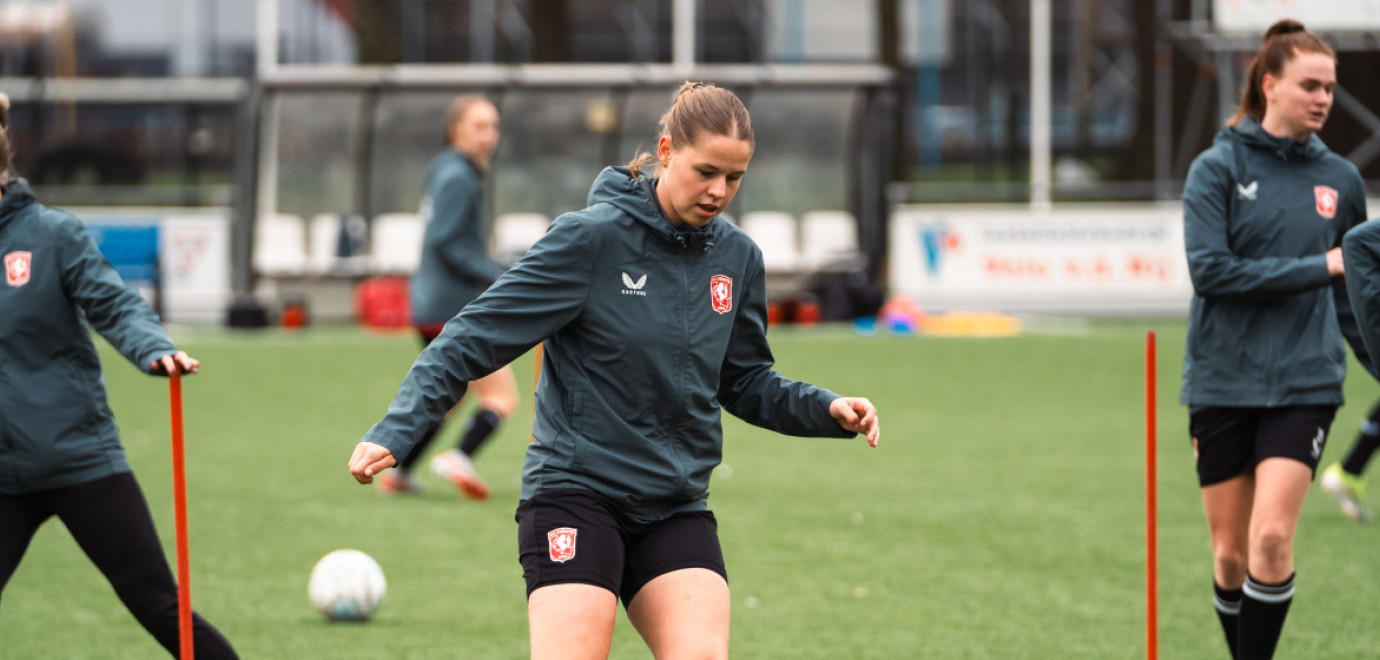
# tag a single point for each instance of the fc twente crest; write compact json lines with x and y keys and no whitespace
{"x":17,"y":265}
{"x":721,"y":293}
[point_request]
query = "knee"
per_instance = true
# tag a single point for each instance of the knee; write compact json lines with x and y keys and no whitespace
{"x":1272,"y":544}
{"x":1230,"y":565}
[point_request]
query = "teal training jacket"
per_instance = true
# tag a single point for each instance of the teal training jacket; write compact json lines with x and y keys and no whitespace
{"x":455,"y":266}
{"x":649,"y":331}
{"x":1264,"y":327}
{"x":1361,"y":252}
{"x":56,"y":428}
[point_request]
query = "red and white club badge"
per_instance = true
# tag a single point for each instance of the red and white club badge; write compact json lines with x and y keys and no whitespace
{"x":1326,"y":199}
{"x":721,"y":293}
{"x":17,"y":267}
{"x":561,"y":544}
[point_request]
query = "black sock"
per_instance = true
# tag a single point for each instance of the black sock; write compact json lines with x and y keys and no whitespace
{"x":480,"y":429}
{"x":406,"y":463}
{"x":1367,"y":441}
{"x":1263,"y":608}
{"x":1228,"y":603}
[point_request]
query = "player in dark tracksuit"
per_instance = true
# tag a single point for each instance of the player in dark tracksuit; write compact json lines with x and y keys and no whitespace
{"x":60,"y":452}
{"x":455,"y":268}
{"x":1343,"y":480}
{"x":652,"y":310}
{"x":1265,"y":210}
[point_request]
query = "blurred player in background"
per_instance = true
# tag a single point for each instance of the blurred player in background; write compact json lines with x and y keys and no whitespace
{"x":1264,"y":213}
{"x":653,"y":312}
{"x":456,"y":268}
{"x":1343,"y":480}
{"x":60,"y":452}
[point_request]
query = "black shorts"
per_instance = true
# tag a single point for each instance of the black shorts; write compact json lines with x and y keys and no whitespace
{"x":578,"y":536}
{"x":1228,"y":442}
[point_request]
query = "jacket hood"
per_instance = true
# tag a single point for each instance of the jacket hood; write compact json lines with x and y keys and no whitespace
{"x":18,"y":195}
{"x":1248,"y":132}
{"x":636,"y":197}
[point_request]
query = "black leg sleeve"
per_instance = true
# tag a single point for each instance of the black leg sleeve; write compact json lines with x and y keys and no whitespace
{"x":111,"y":522}
{"x":20,"y":517}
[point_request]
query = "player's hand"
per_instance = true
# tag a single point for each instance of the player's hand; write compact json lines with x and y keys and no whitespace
{"x":183,"y":363}
{"x":368,"y":460}
{"x":857,"y":415}
{"x":1335,"y":266}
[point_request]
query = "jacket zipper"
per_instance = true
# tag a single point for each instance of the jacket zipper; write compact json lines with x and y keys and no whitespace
{"x":686,"y":365}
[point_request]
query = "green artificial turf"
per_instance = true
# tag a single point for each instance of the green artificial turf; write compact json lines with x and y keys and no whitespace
{"x":1002,"y":516}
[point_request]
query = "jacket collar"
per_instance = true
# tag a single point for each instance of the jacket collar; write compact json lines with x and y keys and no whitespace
{"x":637,"y":198}
{"x":1248,"y":132}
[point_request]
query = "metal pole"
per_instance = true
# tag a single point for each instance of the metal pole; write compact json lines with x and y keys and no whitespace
{"x":1164,"y":118}
{"x":482,"y":31}
{"x":266,"y":37}
{"x":683,"y":26}
{"x":1040,"y":27}
{"x":267,"y":198}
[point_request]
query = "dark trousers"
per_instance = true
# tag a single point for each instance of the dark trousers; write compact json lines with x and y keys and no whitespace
{"x":110,"y":520}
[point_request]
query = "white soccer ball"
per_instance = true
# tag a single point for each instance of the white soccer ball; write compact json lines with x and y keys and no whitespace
{"x":347,"y":585}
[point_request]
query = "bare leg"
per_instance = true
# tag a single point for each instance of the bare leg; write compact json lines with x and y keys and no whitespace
{"x":497,"y":392}
{"x":683,"y":614}
{"x":1281,"y":485}
{"x":1228,"y":505}
{"x":571,"y":621}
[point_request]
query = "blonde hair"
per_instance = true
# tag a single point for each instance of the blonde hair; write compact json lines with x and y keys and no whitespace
{"x":457,"y":109}
{"x":4,"y":138}
{"x":699,"y":108}
{"x":1282,"y":41}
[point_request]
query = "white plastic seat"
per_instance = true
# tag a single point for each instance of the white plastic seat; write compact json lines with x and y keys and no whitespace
{"x":515,"y":233}
{"x":395,"y":243}
{"x":775,"y":232}
{"x":324,"y":241}
{"x":828,"y":238}
{"x":280,"y":245}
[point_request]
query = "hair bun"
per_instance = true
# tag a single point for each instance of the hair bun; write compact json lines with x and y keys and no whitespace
{"x":1286,"y":26}
{"x":4,"y":111}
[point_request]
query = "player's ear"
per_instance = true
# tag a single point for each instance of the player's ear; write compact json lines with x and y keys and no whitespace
{"x":663,"y":150}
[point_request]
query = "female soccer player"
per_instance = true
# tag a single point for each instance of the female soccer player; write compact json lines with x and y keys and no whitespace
{"x":60,"y":452}
{"x":653,"y":312}
{"x":1264,"y":212}
{"x":456,"y":268}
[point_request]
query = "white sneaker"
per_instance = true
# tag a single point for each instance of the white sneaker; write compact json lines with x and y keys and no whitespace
{"x":1348,"y":490}
{"x":455,"y":467}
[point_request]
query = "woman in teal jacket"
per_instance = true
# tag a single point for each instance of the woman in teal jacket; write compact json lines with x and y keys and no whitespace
{"x":1264,"y":213}
{"x":60,"y":452}
{"x":455,"y":268}
{"x":652,"y":309}
{"x":1344,"y":479}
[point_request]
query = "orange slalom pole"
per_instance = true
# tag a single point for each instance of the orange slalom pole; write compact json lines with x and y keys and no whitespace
{"x":1151,"y":543}
{"x":184,"y":568}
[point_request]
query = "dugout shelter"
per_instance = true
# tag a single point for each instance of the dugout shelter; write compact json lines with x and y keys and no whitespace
{"x":332,"y":162}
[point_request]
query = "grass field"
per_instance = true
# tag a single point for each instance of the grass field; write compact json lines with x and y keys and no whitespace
{"x":1002,"y":516}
